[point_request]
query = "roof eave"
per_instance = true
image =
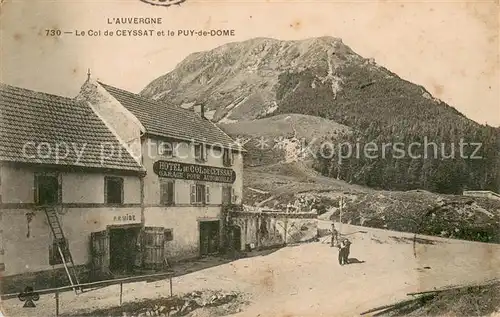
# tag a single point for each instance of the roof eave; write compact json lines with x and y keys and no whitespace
{"x":140,"y":171}
{"x":146,"y":134}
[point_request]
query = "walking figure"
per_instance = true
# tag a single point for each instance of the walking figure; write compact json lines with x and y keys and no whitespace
{"x":344,"y":250}
{"x":335,"y":236}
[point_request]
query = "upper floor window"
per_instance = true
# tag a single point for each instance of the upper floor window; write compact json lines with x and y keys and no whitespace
{"x":228,"y":157}
{"x":167,"y":149}
{"x":2,"y":265}
{"x":47,"y":189}
{"x":200,"y":194}
{"x":113,"y":190}
{"x":167,"y":192}
{"x":0,"y":183}
{"x":200,"y":152}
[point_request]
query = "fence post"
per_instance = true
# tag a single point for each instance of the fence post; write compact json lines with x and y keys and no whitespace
{"x":121,"y":293}
{"x":171,"y":291}
{"x":57,"y":303}
{"x":286,"y":228}
{"x":258,"y":225}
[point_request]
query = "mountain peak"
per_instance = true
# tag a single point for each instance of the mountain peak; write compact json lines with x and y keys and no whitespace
{"x":240,"y":80}
{"x":263,"y":76}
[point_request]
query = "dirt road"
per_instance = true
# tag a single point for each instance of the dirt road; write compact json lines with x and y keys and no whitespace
{"x":306,"y":280}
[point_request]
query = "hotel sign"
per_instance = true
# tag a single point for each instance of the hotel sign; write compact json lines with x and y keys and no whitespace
{"x":194,"y":172}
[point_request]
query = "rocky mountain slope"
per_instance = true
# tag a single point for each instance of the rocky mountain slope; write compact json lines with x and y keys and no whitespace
{"x":240,"y":81}
{"x":257,"y":77}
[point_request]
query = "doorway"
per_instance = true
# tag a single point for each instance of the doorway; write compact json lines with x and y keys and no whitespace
{"x":236,"y":238}
{"x":209,"y":237}
{"x":123,"y":249}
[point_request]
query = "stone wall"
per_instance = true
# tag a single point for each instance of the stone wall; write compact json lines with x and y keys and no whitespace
{"x":267,"y":229}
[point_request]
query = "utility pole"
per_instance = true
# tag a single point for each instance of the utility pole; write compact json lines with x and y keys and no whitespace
{"x":341,"y":207}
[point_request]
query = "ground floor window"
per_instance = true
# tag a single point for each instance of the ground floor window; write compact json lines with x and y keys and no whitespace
{"x":227,"y":195}
{"x":169,"y":234}
{"x":200,"y":194}
{"x":55,"y":255}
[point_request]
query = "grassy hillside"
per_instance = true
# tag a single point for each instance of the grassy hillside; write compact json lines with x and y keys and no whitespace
{"x":384,"y":109}
{"x":450,"y":216}
{"x":416,"y":211}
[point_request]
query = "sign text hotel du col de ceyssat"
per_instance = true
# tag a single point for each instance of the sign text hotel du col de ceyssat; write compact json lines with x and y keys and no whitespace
{"x":194,"y":172}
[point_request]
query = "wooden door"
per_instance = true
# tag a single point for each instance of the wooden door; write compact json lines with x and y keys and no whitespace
{"x":153,"y":247}
{"x":100,"y":253}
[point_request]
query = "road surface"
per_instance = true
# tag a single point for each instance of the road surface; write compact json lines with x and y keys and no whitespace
{"x":306,"y":280}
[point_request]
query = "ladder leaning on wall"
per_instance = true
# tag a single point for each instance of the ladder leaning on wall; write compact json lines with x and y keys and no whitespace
{"x":62,"y":246}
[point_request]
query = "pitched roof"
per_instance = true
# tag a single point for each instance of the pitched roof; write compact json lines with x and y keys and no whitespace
{"x":29,"y":118}
{"x":171,"y":121}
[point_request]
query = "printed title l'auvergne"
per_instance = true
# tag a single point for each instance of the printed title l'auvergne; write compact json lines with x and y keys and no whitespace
{"x":123,"y":181}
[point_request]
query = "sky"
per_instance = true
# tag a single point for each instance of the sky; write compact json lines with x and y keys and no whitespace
{"x":449,"y":47}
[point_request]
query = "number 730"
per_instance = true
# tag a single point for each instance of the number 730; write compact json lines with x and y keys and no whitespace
{"x":53,"y":32}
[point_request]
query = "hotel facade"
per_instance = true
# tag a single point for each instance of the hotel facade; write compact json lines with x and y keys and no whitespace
{"x":121,"y":182}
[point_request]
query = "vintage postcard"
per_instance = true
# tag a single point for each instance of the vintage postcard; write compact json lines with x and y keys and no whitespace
{"x":249,"y":158}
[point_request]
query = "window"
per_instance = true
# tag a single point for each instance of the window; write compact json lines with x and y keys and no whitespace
{"x":200,"y":152}
{"x":2,"y":265}
{"x":200,"y":194}
{"x":169,"y":234}
{"x":228,"y":157}
{"x":226,"y":195}
{"x":113,"y":188}
{"x":167,"y":192}
{"x":47,"y":189}
{"x":166,"y":149}
{"x":234,"y":198}
{"x":55,"y":256}
{"x":0,"y":184}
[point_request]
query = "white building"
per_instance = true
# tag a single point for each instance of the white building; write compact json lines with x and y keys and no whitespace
{"x":124,"y":181}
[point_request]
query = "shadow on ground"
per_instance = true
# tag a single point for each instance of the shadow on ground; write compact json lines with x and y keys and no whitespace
{"x":355,"y":261}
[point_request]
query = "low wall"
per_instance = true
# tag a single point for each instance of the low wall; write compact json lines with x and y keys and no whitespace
{"x":42,"y":279}
{"x":267,"y":229}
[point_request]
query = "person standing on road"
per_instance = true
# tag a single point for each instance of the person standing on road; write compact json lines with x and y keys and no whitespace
{"x":344,"y":250}
{"x":335,"y":236}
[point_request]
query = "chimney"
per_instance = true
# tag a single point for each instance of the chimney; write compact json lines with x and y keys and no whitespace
{"x":200,"y":109}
